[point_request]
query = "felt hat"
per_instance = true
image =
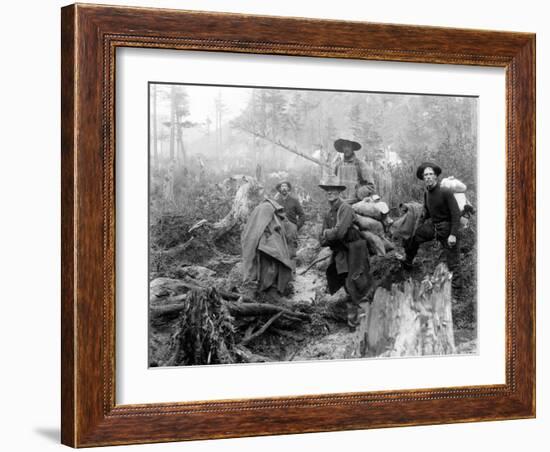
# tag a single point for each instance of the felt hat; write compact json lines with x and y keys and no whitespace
{"x":423,"y":166}
{"x":278,"y":186}
{"x":331,"y":183}
{"x":339,"y":145}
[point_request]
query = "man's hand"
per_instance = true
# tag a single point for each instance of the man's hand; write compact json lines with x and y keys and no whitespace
{"x":451,"y":240}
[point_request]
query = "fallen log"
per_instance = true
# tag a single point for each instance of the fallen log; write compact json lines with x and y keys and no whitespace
{"x":167,"y":309}
{"x":164,"y":300}
{"x":201,"y":326}
{"x":161,"y":316}
{"x":163,"y":287}
{"x":247,"y":356}
{"x":283,"y":145}
{"x":255,"y":309}
{"x":236,"y":309}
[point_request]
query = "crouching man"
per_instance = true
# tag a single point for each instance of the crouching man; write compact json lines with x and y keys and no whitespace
{"x":349,"y":265}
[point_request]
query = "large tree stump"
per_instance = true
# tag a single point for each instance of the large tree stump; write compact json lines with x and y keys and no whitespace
{"x":412,"y":319}
{"x":246,"y":198}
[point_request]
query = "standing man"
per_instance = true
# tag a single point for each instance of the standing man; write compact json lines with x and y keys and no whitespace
{"x":349,"y":264}
{"x":441,"y":222}
{"x":352,"y":172}
{"x":295,"y":216}
{"x":267,"y":266}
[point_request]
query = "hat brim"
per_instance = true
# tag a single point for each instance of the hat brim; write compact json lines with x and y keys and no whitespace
{"x":333,"y":187}
{"x":421,"y":168}
{"x":339,"y":144}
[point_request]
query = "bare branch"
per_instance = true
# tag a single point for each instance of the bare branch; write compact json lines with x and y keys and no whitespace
{"x":262,"y":330}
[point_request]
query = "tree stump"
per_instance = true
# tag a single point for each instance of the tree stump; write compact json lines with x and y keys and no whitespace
{"x":412,"y":319}
{"x":246,"y":198}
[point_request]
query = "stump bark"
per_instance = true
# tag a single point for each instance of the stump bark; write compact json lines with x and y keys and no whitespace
{"x":246,"y":198}
{"x":412,"y":319}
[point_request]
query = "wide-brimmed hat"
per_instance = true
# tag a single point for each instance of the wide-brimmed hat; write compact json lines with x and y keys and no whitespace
{"x":278,"y":186}
{"x":331,"y":183}
{"x":423,"y":166}
{"x":339,"y":145}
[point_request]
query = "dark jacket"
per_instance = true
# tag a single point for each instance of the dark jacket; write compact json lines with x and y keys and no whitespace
{"x":293,"y":210}
{"x":440,"y":205}
{"x":349,"y":264}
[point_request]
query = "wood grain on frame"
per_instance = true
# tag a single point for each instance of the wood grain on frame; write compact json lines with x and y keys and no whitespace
{"x":90,"y":36}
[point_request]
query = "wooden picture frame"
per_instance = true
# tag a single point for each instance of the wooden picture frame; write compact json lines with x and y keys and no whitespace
{"x":90,"y":36}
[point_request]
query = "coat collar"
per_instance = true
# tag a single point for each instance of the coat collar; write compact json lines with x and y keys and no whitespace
{"x":351,"y":160}
{"x":336,"y":205}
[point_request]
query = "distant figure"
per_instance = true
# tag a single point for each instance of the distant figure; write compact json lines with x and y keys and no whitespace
{"x":295,"y":216}
{"x":441,"y":221}
{"x":351,"y":171}
{"x":349,"y":265}
{"x":267,"y":266}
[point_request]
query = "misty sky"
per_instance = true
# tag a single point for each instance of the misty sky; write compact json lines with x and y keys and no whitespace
{"x":201,"y":101}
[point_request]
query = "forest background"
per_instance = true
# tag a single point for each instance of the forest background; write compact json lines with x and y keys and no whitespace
{"x":202,"y":135}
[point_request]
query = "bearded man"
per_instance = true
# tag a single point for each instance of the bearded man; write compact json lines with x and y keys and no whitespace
{"x":295,"y":216}
{"x":349,"y":264}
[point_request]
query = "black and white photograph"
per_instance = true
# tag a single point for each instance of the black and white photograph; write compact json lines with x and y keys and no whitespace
{"x":235,"y":225}
{"x":299,"y":224}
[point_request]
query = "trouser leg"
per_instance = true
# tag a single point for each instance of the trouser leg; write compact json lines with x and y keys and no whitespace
{"x":452,"y":257}
{"x":291,"y":234}
{"x":424,"y":233}
{"x":335,"y":282}
{"x":352,"y":313}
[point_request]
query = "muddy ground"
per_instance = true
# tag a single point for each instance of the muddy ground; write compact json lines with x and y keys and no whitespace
{"x":325,"y":334}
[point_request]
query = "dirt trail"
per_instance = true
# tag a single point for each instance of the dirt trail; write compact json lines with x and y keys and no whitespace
{"x":307,"y":288}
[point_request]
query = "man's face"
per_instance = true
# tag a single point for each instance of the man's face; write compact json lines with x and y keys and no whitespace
{"x":430,"y":179}
{"x":284,"y":189}
{"x":347,"y":150}
{"x":333,"y":194}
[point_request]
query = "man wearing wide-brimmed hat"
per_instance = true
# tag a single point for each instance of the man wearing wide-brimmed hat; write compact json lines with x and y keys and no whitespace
{"x":295,"y":216}
{"x":349,"y":265}
{"x":441,"y":222}
{"x":351,"y":171}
